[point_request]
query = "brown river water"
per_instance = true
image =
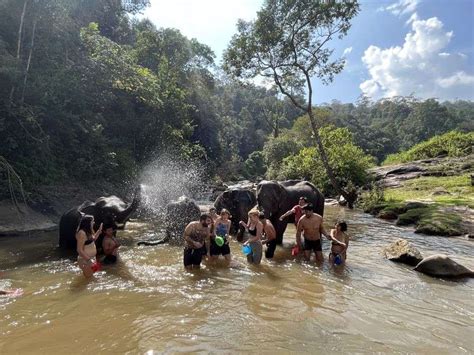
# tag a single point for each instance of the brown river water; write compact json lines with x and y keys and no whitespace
{"x":149,"y":304}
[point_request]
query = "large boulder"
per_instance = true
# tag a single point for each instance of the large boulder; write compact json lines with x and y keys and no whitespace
{"x":444,"y":267}
{"x":402,"y":251}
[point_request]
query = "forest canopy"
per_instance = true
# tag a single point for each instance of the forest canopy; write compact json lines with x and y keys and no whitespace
{"x":90,"y":92}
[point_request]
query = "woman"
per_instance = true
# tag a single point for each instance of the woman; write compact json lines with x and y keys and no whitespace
{"x":340,"y":243}
{"x":85,"y":237}
{"x":222,"y":227}
{"x":255,"y":228}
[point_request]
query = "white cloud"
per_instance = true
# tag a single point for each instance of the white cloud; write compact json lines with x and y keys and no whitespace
{"x":421,"y":66}
{"x":401,"y":7}
{"x":348,"y":50}
{"x":459,"y":78}
{"x":212,"y":22}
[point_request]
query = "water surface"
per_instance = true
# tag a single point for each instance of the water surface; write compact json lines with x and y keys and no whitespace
{"x":149,"y":302}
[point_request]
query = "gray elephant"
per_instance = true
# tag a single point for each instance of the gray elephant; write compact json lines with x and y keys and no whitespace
{"x":177,"y":216}
{"x":110,"y":209}
{"x":275,"y":198}
{"x":238,"y":201}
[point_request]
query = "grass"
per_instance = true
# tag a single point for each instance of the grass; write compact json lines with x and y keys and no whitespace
{"x":459,"y":187}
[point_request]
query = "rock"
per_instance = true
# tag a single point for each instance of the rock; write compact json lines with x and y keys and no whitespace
{"x":25,"y":220}
{"x":415,"y":204}
{"x":442,"y":266}
{"x":402,"y":251}
{"x":438,"y":191}
{"x":387,"y":215}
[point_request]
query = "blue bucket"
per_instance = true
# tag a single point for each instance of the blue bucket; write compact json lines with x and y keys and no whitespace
{"x":246,"y":249}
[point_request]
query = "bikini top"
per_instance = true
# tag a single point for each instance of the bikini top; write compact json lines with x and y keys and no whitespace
{"x":253,"y":231}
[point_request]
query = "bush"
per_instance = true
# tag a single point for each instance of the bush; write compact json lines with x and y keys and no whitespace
{"x":255,"y":164}
{"x":348,"y":161}
{"x":372,"y":198}
{"x":453,"y":144}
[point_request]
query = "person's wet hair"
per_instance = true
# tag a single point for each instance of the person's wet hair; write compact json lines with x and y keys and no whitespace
{"x":224,"y":211}
{"x":308,"y":207}
{"x":212,"y":209}
{"x":304,"y":199}
{"x":85,"y":224}
{"x":343,"y":225}
{"x":204,"y":216}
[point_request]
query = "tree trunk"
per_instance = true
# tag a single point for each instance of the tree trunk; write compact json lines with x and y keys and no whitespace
{"x":18,"y":46}
{"x":350,"y":198}
{"x":25,"y":79}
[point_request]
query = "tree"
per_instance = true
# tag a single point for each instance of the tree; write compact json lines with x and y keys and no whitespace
{"x":288,"y":43}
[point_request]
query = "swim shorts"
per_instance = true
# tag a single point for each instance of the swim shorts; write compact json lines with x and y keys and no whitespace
{"x":193,"y":256}
{"x":217,"y":250}
{"x":271,"y":246}
{"x":314,"y":245}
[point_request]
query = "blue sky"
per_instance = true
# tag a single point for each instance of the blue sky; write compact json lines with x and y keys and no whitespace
{"x":399,"y":47}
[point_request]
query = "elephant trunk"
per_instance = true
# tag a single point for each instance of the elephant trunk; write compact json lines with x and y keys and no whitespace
{"x":123,"y":216}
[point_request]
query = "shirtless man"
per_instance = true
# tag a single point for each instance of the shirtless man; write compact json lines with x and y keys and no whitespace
{"x":269,"y":236}
{"x":195,"y":236}
{"x":311,"y":225}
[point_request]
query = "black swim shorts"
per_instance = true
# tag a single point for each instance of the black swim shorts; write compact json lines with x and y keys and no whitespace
{"x":193,"y":256}
{"x":271,"y":246}
{"x":217,"y":250}
{"x":314,"y":245}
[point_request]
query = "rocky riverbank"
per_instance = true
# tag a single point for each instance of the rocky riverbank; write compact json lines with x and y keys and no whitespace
{"x":436,"y":195}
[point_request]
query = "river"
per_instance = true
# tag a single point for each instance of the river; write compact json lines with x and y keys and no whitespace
{"x":149,"y":303}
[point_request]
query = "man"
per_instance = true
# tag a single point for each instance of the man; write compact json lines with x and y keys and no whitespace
{"x":296,"y":210}
{"x":195,"y":236}
{"x":269,"y":236}
{"x":311,"y":225}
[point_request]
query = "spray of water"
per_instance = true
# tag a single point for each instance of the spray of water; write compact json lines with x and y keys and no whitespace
{"x":165,"y":179}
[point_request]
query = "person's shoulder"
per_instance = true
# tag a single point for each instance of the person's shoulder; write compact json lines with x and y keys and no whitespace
{"x":81,"y":234}
{"x":192,"y":224}
{"x":317,"y":215}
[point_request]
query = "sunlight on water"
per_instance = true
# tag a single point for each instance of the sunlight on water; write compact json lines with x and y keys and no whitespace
{"x":148,"y":303}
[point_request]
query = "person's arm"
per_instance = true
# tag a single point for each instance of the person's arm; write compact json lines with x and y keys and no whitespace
{"x":99,"y":231}
{"x":287,"y":213}
{"x":323,"y":231}
{"x":299,"y":230}
{"x":81,"y":241}
{"x":333,"y":238}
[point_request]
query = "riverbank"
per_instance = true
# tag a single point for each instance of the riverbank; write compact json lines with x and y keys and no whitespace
{"x":436,"y":195}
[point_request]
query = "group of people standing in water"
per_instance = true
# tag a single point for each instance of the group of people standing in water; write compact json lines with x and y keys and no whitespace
{"x":209,"y":237}
{"x":214,"y":229}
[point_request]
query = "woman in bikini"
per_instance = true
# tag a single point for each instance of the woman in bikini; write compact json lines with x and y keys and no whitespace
{"x":86,"y":249}
{"x":222,"y":227}
{"x":340,"y":242}
{"x":255,"y":228}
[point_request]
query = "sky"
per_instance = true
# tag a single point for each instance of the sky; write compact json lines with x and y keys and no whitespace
{"x":395,"y":47}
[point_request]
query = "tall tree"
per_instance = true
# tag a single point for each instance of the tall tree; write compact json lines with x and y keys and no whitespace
{"x":288,"y":42}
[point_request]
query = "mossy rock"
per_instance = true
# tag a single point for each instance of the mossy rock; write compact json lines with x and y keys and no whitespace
{"x":412,"y":216}
{"x":415,"y":204}
{"x":440,"y":223}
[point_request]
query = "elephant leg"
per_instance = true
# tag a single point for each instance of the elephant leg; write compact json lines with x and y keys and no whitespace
{"x":280,"y":227}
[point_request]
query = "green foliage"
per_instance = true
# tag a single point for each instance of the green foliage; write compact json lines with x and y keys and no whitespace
{"x":452,"y":144}
{"x":372,"y":198}
{"x":348,"y":161}
{"x":255,"y":164}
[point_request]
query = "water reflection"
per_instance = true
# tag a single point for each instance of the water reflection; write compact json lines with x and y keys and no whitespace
{"x":149,"y":302}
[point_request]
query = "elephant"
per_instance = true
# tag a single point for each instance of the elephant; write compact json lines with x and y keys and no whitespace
{"x":275,"y":198}
{"x":442,"y":266}
{"x":177,"y":216}
{"x":238,"y":201}
{"x":105,"y":209}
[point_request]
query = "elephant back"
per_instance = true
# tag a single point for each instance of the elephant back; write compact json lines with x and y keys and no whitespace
{"x":67,"y":228}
